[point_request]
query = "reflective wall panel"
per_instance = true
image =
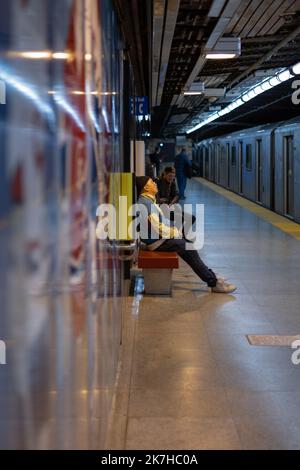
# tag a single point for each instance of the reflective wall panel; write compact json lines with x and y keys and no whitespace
{"x":61,"y":289}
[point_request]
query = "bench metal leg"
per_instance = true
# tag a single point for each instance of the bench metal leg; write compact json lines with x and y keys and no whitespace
{"x":158,"y":281}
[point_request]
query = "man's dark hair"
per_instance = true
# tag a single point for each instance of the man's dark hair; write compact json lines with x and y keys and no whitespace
{"x":168,"y":169}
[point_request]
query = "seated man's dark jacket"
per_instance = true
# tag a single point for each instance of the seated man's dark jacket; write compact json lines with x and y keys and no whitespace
{"x":166,"y":190}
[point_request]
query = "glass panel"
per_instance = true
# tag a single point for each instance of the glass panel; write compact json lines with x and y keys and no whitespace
{"x":249,"y":157}
{"x":233,"y":155}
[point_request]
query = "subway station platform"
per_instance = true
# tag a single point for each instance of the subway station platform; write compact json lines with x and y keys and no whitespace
{"x":189,"y":377}
{"x":93,"y":95}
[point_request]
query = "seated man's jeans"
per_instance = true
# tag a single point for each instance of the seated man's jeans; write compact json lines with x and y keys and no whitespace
{"x":192,"y":258}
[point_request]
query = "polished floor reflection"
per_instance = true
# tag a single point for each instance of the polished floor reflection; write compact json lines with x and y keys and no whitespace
{"x":192,"y":380}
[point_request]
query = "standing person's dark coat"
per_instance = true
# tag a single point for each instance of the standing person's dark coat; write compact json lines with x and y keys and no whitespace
{"x":181,"y":163}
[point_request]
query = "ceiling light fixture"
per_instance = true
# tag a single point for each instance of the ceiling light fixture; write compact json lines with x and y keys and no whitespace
{"x":283,"y":76}
{"x":225,"y":48}
{"x":266,"y":85}
{"x":192,"y":93}
{"x":196,"y":88}
{"x":218,"y":56}
{"x":215,"y":92}
{"x":262,"y":87}
{"x":258,"y":90}
{"x":246,"y":97}
{"x":274,"y":81}
{"x":296,"y":69}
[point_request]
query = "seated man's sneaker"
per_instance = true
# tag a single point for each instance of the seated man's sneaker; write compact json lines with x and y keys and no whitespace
{"x":220,"y":278}
{"x":223,"y":288}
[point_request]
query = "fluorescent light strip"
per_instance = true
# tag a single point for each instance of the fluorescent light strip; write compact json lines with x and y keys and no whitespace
{"x":296,"y":69}
{"x":217,"y":56}
{"x":192,"y":93}
{"x":265,"y":85}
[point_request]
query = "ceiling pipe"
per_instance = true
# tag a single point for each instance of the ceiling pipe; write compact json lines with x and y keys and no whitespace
{"x":136,"y":25}
{"x":130,"y":47}
{"x":171,"y":17}
{"x":158,"y":21}
{"x":230,"y":9}
{"x":266,"y":57}
{"x":216,"y":8}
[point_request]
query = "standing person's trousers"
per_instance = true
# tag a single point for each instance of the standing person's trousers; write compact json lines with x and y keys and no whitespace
{"x":181,"y":181}
{"x":192,"y":258}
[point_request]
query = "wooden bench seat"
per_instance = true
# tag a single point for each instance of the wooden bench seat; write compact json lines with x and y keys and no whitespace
{"x":158,"y":259}
{"x":157,"y":270}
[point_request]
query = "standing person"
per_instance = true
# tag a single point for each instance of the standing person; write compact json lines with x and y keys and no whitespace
{"x":181,"y":162}
{"x":154,"y":221}
{"x":155,"y":159}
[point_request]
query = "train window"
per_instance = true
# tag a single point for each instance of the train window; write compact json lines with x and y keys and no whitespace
{"x":228,"y":163}
{"x":233,"y":155}
{"x":288,"y":180}
{"x":222,"y":154}
{"x":227,"y":151}
{"x":218,"y":162}
{"x":249,"y":157}
{"x":241,"y":165}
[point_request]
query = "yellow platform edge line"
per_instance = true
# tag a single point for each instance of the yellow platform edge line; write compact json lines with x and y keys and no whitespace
{"x":277,"y":220}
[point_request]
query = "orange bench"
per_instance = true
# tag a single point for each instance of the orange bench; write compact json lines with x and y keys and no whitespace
{"x":157,"y":269}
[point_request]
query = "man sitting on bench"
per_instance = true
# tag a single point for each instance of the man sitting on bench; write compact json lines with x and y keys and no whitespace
{"x":168,"y":196}
{"x":166,"y":241}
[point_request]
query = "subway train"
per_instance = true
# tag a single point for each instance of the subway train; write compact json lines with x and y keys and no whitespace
{"x":261,"y":164}
{"x":61,"y":291}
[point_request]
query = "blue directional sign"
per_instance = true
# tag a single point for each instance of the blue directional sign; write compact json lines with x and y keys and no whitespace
{"x":141,"y":106}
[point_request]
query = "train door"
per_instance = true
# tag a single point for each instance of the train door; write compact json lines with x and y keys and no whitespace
{"x":212,"y":162}
{"x":233,"y":166}
{"x":241,"y":189}
{"x":272,"y":185}
{"x":258,"y":172}
{"x":228,"y":164}
{"x":201,"y":153}
{"x":198,"y":157}
{"x":222,"y":165}
{"x":218,"y":153}
{"x":206,"y":162}
{"x":288,"y":171}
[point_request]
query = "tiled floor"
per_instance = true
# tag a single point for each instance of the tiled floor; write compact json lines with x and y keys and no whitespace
{"x":189,"y":377}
